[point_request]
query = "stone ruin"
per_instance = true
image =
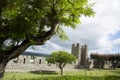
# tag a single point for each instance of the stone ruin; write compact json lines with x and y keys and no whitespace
{"x":31,"y":62}
{"x":27,"y":63}
{"x":80,"y":51}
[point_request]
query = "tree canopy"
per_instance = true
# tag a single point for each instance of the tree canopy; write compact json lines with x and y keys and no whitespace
{"x":61,"y":58}
{"x":34,"y":19}
{"x":30,"y":22}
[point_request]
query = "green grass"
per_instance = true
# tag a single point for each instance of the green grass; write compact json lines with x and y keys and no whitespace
{"x":94,"y":72}
{"x":68,"y":75}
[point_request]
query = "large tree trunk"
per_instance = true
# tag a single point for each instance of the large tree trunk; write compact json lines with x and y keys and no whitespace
{"x":6,"y":56}
{"x":3,"y":60}
{"x":2,"y":69}
{"x":3,"y":63}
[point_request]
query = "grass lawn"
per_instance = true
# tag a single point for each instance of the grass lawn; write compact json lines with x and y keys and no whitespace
{"x":46,"y":75}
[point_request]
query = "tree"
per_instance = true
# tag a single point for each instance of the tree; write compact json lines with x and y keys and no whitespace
{"x":100,"y":59}
{"x":61,"y":58}
{"x":32,"y":22}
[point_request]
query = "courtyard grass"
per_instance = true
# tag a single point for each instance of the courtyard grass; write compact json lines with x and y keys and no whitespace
{"x":68,"y":75}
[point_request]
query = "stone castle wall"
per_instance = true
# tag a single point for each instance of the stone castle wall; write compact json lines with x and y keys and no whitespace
{"x":25,"y":63}
{"x":30,"y":63}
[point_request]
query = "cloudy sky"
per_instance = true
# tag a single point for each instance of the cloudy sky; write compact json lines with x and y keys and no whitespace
{"x":101,"y":33}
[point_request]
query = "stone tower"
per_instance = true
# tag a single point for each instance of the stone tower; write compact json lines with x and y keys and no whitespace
{"x":80,"y":51}
{"x":84,"y":55}
{"x":76,"y":50}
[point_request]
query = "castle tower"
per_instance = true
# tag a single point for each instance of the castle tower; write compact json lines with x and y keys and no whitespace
{"x":84,"y":55}
{"x":76,"y":50}
{"x":80,"y":51}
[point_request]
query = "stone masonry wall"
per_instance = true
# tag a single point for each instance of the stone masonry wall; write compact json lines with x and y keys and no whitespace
{"x":25,"y":63}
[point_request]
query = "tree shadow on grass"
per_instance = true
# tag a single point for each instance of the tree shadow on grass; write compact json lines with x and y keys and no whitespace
{"x":44,"y":72}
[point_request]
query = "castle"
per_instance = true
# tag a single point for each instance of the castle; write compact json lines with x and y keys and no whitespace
{"x":32,"y":62}
{"x":80,"y":51}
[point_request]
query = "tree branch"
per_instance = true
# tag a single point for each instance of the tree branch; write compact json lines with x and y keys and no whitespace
{"x":47,"y":36}
{"x":18,"y":49}
{"x":54,"y":26}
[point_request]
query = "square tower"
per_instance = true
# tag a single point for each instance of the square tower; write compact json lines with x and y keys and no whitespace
{"x":84,"y":55}
{"x":76,"y":50}
{"x":80,"y":51}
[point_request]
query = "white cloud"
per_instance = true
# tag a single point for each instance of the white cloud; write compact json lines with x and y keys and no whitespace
{"x":95,"y":31}
{"x":116,"y":42}
{"x":47,"y":48}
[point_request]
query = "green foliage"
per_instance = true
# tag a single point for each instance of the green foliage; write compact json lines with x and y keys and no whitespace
{"x":114,"y":59}
{"x":61,"y":34}
{"x":109,"y":57}
{"x":23,"y":19}
{"x":61,"y":58}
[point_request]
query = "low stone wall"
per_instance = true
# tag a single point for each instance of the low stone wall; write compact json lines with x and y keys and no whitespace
{"x":26,"y":64}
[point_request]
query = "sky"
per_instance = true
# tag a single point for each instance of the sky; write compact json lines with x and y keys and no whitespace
{"x":101,"y":33}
